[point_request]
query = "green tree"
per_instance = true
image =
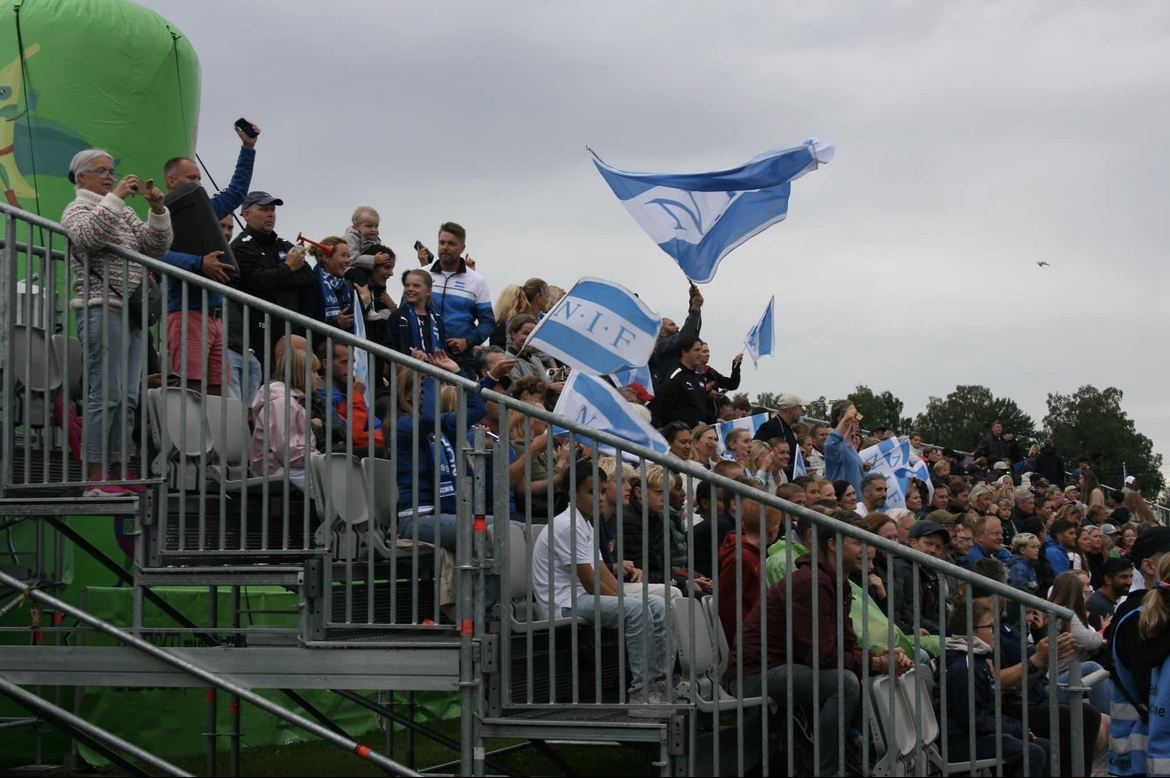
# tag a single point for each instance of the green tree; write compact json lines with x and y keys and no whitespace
{"x":767,"y":399}
{"x":1092,"y":421}
{"x":964,"y":417}
{"x":879,"y":410}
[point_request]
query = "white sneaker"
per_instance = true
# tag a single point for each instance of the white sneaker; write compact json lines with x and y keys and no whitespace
{"x":657,"y":693}
{"x":106,"y":490}
{"x":644,"y":700}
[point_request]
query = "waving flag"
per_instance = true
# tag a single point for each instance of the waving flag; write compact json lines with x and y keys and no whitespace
{"x":700,"y":218}
{"x":760,"y":339}
{"x":599,"y":328}
{"x":596,"y":404}
{"x":892,"y":458}
{"x":749,"y":423}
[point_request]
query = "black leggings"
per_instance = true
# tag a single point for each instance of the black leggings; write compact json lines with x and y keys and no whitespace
{"x":1039,"y":722}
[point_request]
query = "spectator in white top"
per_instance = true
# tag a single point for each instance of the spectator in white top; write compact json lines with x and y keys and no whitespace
{"x":873,"y":494}
{"x":573,"y":575}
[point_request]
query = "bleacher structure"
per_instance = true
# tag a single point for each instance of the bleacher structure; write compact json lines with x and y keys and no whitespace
{"x":377,"y":610}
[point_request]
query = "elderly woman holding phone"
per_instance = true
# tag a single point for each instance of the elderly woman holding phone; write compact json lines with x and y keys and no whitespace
{"x":103,"y":285}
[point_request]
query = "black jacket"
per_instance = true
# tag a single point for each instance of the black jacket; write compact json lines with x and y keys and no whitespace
{"x":264,"y":274}
{"x":1049,"y":465}
{"x":665,"y":357}
{"x":778,"y":428}
{"x":656,"y":544}
{"x":682,"y":397}
{"x":722,"y":383}
{"x":992,"y":448}
{"x":901,"y":595}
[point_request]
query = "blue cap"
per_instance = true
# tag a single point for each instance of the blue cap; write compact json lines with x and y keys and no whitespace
{"x":261,"y":198}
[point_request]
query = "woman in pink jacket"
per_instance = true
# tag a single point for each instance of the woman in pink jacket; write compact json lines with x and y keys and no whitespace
{"x":281,"y":440}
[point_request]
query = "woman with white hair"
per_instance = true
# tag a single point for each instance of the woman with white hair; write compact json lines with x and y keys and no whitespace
{"x":103,"y":285}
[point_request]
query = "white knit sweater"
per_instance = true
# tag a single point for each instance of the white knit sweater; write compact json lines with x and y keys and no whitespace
{"x":93,"y":220}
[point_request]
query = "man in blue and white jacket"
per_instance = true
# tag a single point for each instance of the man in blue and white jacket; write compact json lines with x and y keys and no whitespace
{"x":461,"y":296}
{"x":188,"y":328}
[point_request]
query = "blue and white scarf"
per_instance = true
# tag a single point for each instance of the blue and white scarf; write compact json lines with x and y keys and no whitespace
{"x":336,"y":294}
{"x":418,"y":337}
{"x":338,"y":297}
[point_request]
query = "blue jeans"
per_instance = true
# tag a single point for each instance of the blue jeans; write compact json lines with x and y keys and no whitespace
{"x":605,"y":612}
{"x":448,"y":539}
{"x":1098,"y":696}
{"x":108,"y":402}
{"x":237,"y":390}
{"x":838,"y":690}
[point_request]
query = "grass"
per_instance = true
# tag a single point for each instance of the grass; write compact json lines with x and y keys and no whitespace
{"x":317,"y":758}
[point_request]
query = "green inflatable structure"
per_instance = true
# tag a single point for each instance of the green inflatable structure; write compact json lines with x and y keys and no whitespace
{"x":78,"y":74}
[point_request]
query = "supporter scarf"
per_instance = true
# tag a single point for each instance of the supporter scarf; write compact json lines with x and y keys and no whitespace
{"x":446,"y":465}
{"x":959,"y":643}
{"x":336,"y":294}
{"x":417,"y":336}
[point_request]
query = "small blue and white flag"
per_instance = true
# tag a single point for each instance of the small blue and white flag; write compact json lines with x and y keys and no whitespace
{"x":762,"y":337}
{"x":598,"y":328}
{"x":594,"y":403}
{"x":750,"y":423}
{"x":699,"y":218}
{"x":799,"y":468}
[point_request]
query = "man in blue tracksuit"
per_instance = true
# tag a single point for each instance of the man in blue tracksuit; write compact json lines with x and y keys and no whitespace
{"x":185,"y":336}
{"x":461,"y":296}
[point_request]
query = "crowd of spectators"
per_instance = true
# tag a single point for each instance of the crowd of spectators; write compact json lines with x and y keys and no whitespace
{"x":1010,"y":517}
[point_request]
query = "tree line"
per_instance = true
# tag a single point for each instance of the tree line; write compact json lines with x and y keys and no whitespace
{"x":1089,"y":423}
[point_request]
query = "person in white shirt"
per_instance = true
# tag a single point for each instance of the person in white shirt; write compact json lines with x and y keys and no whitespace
{"x":873,"y":494}
{"x":573,"y":575}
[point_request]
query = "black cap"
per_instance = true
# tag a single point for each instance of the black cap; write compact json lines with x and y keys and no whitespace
{"x":261,"y":198}
{"x":1153,"y":541}
{"x":928,"y":527}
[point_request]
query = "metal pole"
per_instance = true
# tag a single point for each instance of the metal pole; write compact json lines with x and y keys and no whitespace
{"x":48,"y":710}
{"x":213,"y":680}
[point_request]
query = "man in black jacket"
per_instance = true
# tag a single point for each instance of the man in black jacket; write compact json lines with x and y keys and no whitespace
{"x":931,"y":538}
{"x":683,"y":395}
{"x":271,"y":268}
{"x":667,"y":353}
{"x":993,"y":448}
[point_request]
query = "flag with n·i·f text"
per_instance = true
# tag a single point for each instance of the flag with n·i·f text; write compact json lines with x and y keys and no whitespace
{"x":594,"y":403}
{"x":700,"y":218}
{"x":760,"y":340}
{"x":598,"y":328}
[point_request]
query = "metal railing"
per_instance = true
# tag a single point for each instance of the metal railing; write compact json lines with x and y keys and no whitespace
{"x":372,"y":566}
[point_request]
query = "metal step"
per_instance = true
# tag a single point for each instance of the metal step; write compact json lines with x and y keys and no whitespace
{"x":69,"y":506}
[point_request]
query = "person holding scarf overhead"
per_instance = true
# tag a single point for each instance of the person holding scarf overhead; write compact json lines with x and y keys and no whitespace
{"x":416,"y":328}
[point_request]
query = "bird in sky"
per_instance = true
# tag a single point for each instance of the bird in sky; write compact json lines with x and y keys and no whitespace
{"x":1042,"y":263}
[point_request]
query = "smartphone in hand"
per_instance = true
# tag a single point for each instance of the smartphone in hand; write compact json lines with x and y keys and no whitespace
{"x":245,"y":127}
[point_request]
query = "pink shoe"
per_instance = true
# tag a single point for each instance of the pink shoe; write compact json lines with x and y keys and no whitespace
{"x":131,"y":475}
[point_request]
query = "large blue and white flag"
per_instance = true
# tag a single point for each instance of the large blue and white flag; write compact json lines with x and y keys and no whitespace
{"x":762,"y":337}
{"x":599,"y":328}
{"x":749,"y":423}
{"x":892,"y":458}
{"x":596,"y":404}
{"x":699,"y":218}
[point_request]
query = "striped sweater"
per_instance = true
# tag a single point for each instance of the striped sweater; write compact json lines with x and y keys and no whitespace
{"x":91,"y":221}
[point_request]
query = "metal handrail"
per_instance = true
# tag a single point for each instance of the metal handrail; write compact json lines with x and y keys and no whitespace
{"x":211,"y":679}
{"x":671,"y":464}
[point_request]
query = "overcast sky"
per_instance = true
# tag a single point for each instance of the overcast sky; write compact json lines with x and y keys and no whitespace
{"x":973,"y":140}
